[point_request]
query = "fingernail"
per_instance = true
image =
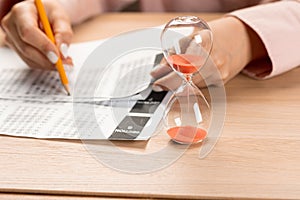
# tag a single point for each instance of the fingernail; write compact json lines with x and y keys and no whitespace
{"x":52,"y":57}
{"x":68,"y":68}
{"x":71,"y":63}
{"x":64,"y":50}
{"x":154,"y":70}
{"x":157,"y":88}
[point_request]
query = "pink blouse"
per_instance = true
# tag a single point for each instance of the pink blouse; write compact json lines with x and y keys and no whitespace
{"x":277,"y":24}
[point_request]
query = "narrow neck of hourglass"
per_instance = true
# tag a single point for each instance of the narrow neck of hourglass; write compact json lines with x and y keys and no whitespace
{"x":189,"y":78}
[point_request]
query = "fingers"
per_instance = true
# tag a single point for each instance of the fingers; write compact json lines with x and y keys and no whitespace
{"x":164,"y":77}
{"x":170,"y":82}
{"x":26,"y":51}
{"x":161,"y":70}
{"x":30,"y":32}
{"x":212,"y":79}
{"x":208,"y":75}
{"x":23,"y":33}
{"x":62,"y":30}
{"x":1,"y":38}
{"x":28,"y":61}
{"x":63,"y":36}
{"x":167,"y":79}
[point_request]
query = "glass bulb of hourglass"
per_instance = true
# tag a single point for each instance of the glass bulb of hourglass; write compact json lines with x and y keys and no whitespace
{"x":186,"y":44}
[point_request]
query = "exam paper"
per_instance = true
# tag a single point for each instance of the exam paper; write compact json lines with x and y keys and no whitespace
{"x":33,"y":103}
{"x":124,"y":121}
{"x":16,"y":79}
{"x":125,"y":77}
{"x":39,"y":120}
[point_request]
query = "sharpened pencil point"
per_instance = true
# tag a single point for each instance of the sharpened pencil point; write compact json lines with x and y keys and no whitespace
{"x":67,"y":88}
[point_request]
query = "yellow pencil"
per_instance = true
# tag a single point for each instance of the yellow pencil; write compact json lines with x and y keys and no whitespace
{"x":49,"y":33}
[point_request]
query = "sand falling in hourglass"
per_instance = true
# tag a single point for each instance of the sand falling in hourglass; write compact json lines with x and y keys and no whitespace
{"x":186,"y":43}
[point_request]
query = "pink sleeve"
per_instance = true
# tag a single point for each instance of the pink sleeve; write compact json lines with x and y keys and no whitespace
{"x":278,"y":26}
{"x":80,"y":10}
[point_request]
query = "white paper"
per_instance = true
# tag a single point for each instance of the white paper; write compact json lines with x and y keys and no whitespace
{"x":41,"y":120}
{"x":127,"y":76}
{"x":33,"y":103}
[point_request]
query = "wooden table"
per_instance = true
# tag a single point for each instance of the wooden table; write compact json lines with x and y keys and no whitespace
{"x":257,"y":156}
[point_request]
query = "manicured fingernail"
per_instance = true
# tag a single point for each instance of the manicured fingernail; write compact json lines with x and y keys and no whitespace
{"x":157,"y":88}
{"x":52,"y":57}
{"x":68,"y":68}
{"x":64,"y":50}
{"x":155,"y":70}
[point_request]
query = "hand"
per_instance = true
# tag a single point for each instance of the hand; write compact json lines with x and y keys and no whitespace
{"x":1,"y":38}
{"x":23,"y":33}
{"x":235,"y":45}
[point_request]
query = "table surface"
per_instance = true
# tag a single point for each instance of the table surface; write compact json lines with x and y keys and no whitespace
{"x":257,"y":155}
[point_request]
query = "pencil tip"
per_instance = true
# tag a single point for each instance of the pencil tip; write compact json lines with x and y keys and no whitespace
{"x":67,"y":88}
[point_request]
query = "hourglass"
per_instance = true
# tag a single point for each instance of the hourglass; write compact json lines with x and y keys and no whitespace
{"x":186,"y":44}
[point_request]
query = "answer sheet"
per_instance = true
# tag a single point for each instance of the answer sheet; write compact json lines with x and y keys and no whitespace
{"x":34,"y":104}
{"x":123,"y":77}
